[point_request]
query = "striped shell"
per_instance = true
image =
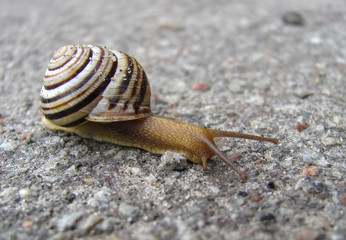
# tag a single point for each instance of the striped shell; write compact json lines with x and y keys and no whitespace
{"x":87,"y":82}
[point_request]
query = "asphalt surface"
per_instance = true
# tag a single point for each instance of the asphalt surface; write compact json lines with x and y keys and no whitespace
{"x":272,"y":68}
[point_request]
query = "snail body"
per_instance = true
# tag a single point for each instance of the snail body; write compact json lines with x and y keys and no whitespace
{"x":104,"y":94}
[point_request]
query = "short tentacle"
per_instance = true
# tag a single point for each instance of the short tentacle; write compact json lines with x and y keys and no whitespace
{"x":223,"y":157}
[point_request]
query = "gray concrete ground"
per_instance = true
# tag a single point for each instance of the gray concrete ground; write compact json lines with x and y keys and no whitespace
{"x":266,"y":75}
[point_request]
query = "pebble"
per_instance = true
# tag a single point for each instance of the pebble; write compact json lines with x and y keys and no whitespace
{"x":70,"y":197}
{"x":321,"y":222}
{"x":293,"y":18}
{"x":25,"y":193}
{"x":91,"y":222}
{"x":135,"y":170}
{"x":342,"y":200}
{"x":312,"y":187}
{"x":101,"y":198}
{"x":323,"y":162}
{"x":50,"y":179}
{"x":128,"y":211}
{"x":29,"y":224}
{"x":200,"y":87}
{"x":172,"y":161}
{"x":328,"y":141}
{"x":7,"y":194}
{"x":54,"y":141}
{"x":214,"y":189}
{"x":301,"y":127}
{"x":315,"y":40}
{"x":339,"y":234}
{"x":151,"y":179}
{"x":78,"y":151}
{"x":312,"y":171}
{"x":287,"y":162}
{"x":337,"y":120}
{"x":8,"y":146}
{"x":309,"y":234}
{"x":268,"y":218}
{"x":71,"y":170}
{"x":69,"y":221}
{"x":310,"y":156}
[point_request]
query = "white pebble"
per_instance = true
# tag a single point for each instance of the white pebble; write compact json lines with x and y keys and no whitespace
{"x":7,"y":194}
{"x":323,"y":162}
{"x":337,"y":120}
{"x":214,"y":189}
{"x":128,"y":210}
{"x":91,"y":222}
{"x":8,"y":146}
{"x":135,"y":170}
{"x":24,"y":193}
{"x":329,"y":141}
{"x":315,"y":40}
{"x":151,"y":179}
{"x":69,"y":221}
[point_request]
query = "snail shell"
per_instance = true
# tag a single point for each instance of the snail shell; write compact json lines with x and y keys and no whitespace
{"x":89,"y":82}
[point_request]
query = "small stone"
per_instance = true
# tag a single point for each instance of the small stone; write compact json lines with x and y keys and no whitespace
{"x":268,"y":218}
{"x":200,"y":224}
{"x":308,"y":234}
{"x":29,"y":224}
{"x":54,"y":141}
{"x":69,"y":221}
{"x":342,"y":200}
{"x":310,"y":156}
{"x":89,"y":180}
{"x":25,"y":193}
{"x":214,"y":189}
{"x":172,"y":161}
{"x":301,"y":127}
{"x":135,"y":170}
{"x":287,"y":162}
{"x":101,"y":198}
{"x":323,"y":162}
{"x":151,"y":216}
{"x":321,"y":222}
{"x":255,"y":197}
{"x":71,"y":170}
{"x":293,"y":18}
{"x":91,"y":222}
{"x":70,"y":197}
{"x":312,"y":171}
{"x":313,"y":187}
{"x":328,"y":141}
{"x":337,"y":120}
{"x":315,"y":40}
{"x":128,"y":210}
{"x":8,"y":146}
{"x":7,"y":194}
{"x":239,"y":201}
{"x":151,"y":179}
{"x":200,"y":87}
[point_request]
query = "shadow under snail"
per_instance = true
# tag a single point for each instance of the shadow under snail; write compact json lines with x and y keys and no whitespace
{"x":104,"y":94}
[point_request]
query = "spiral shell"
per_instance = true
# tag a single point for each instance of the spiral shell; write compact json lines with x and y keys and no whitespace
{"x":88,"y":82}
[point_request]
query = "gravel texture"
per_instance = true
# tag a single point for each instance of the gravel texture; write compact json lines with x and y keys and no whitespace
{"x":274,"y":68}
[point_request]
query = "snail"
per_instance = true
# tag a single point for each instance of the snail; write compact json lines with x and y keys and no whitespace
{"x":103,"y":94}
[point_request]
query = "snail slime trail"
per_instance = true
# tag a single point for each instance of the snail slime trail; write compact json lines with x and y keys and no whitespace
{"x":104,"y":94}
